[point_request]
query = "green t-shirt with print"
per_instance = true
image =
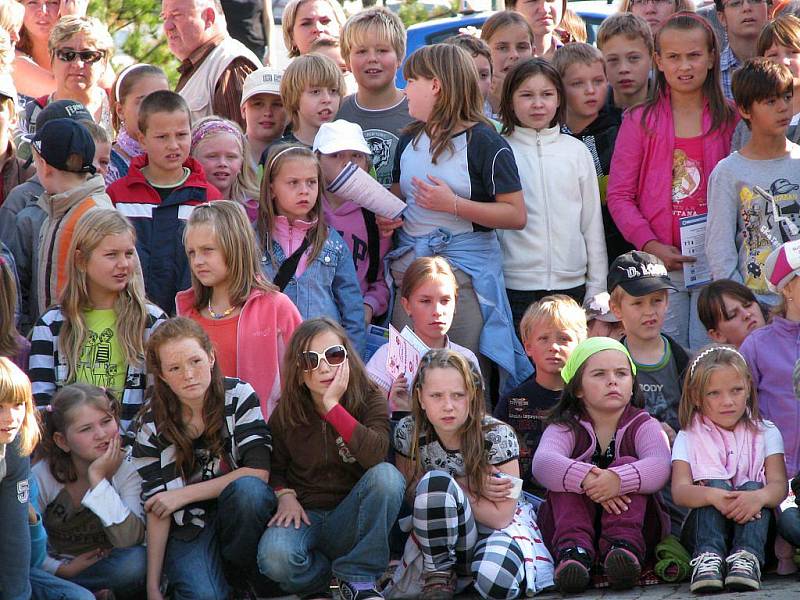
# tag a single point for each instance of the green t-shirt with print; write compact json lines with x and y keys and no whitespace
{"x":102,"y":361}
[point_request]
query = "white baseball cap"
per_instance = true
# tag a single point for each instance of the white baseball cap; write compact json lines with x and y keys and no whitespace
{"x":340,"y":135}
{"x":266,"y":80}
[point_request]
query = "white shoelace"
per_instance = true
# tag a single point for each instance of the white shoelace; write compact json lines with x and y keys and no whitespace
{"x":742,"y":560}
{"x":706,"y":563}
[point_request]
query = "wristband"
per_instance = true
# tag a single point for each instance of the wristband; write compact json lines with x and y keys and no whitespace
{"x":455,"y":205}
{"x":284,"y":492}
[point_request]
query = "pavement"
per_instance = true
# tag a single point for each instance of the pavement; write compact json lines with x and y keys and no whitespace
{"x":772,"y":588}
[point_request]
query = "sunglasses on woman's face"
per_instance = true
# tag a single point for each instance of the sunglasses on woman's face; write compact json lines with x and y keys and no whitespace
{"x":88,"y":57}
{"x":334,"y":356}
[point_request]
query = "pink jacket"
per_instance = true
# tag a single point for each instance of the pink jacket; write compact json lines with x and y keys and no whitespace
{"x":266,"y":323}
{"x":555,"y":470}
{"x":639,"y":194}
{"x":348,"y":220}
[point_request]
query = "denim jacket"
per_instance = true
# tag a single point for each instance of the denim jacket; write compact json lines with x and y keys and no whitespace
{"x":327,"y":288}
{"x":477,"y":254}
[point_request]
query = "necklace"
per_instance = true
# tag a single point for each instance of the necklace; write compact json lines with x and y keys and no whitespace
{"x":221,"y":315}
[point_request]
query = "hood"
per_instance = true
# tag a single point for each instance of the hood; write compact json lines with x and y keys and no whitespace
{"x":57,"y":205}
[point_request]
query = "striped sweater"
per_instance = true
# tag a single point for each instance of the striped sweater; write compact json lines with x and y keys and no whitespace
{"x":247,"y":442}
{"x":48,"y":368}
{"x":63,"y":212}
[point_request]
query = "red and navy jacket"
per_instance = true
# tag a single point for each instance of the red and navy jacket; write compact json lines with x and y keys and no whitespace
{"x":159,"y":226}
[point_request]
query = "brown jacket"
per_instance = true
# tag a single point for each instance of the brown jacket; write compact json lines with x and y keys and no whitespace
{"x":325,"y":458}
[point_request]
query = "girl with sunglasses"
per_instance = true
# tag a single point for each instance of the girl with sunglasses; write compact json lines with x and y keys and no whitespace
{"x":337,"y":499}
{"x":203,"y":451}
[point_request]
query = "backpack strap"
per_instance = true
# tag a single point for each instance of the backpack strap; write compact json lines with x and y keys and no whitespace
{"x":373,"y":245}
{"x":289,"y":266}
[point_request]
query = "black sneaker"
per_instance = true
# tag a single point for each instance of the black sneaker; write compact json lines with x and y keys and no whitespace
{"x":707,"y":573}
{"x":622,"y":567}
{"x":744,"y":572}
{"x":572,"y":573}
{"x":348,"y":592}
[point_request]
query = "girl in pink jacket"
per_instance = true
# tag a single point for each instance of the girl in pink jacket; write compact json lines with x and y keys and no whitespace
{"x":248,"y":320}
{"x":602,"y":459}
{"x":664,"y":154}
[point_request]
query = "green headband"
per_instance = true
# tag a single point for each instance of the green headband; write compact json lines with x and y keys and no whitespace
{"x":589,"y":347}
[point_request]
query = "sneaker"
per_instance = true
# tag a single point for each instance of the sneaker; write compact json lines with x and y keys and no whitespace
{"x":438,"y":585}
{"x":622,"y":568}
{"x":358,"y":591}
{"x":707,"y":573}
{"x":744,"y":572}
{"x":572,"y":573}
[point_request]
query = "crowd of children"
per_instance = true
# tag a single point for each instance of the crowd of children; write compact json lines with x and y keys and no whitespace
{"x":226,"y":370}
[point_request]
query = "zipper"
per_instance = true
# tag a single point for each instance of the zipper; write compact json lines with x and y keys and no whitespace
{"x":546,"y":211}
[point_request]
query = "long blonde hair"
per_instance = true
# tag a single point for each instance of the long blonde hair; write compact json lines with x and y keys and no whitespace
{"x":317,"y":235}
{"x":245,"y":186}
{"x":459,"y":100}
{"x":130,"y":307}
{"x":710,"y":359}
{"x":15,"y":388}
{"x":238,"y":245}
{"x":472,"y":431}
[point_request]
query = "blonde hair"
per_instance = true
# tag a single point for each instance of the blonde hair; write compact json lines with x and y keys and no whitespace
{"x":95,"y":32}
{"x":6,"y":50}
{"x":130,"y":306}
{"x":574,"y":26}
{"x":278,"y":155}
{"x":627,"y":25}
{"x":558,"y":310}
{"x":576,"y":53}
{"x":459,"y":100}
{"x":15,"y":388}
{"x":709,"y":359}
{"x":386,"y":26}
{"x":427,"y":268}
{"x":680,"y":6}
{"x":245,"y":186}
{"x":12,"y":14}
{"x":472,"y":432}
{"x":237,"y":243}
{"x":783,"y":31}
{"x":98,"y":132}
{"x":290,"y":18}
{"x":307,"y":71}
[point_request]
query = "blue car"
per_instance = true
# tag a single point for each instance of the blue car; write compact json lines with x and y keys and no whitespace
{"x":593,"y":12}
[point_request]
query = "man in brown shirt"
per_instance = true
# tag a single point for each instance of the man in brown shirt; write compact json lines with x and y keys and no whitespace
{"x":214,"y":65}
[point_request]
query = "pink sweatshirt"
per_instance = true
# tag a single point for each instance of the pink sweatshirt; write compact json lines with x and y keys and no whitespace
{"x":555,"y":470}
{"x":290,"y":236}
{"x":266,"y":323}
{"x":348,"y":220}
{"x":639,"y":193}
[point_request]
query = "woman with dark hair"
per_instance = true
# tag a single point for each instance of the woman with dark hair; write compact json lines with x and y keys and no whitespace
{"x":203,"y":451}
{"x":337,"y":499}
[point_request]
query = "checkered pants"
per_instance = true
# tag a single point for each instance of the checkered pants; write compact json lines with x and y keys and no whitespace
{"x":448,"y":537}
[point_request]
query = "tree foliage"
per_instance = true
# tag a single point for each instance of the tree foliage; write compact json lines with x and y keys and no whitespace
{"x":136,"y":28}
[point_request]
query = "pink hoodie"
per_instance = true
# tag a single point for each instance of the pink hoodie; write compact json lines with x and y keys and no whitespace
{"x":266,"y":323}
{"x":348,"y":220}
{"x":639,"y":193}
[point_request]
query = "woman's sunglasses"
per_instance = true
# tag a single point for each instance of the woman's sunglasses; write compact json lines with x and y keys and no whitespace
{"x":88,"y":57}
{"x":334,"y":356}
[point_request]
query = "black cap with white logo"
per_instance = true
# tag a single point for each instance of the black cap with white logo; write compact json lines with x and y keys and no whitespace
{"x":639,"y":274}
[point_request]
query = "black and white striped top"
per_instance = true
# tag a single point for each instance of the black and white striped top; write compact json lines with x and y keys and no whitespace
{"x":247,"y":442}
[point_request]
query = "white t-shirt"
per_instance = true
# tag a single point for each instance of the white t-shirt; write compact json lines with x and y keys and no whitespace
{"x":773,"y":443}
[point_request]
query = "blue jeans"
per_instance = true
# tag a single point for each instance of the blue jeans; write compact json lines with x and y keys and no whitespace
{"x":194,"y":568}
{"x":46,"y":586}
{"x":124,"y":572}
{"x":682,"y":322}
{"x":708,"y":530}
{"x":349,"y":541}
{"x":789,"y":525}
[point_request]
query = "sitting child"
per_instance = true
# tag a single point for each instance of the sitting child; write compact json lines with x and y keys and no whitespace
{"x":602,"y":459}
{"x":727,"y":467}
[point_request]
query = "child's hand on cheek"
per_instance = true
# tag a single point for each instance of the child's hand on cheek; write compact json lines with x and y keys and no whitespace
{"x":745,"y":506}
{"x":338,"y":386}
{"x":604,"y":487}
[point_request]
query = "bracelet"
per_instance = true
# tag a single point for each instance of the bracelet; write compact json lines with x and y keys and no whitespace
{"x":284,"y":492}
{"x":455,"y":205}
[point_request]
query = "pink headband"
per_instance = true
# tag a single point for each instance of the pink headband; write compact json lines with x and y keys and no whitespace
{"x":215,"y":126}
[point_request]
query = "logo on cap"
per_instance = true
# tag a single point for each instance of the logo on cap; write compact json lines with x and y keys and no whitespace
{"x":647,"y":270}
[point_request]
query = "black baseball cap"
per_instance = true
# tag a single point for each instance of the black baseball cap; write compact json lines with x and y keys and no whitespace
{"x":639,"y":273}
{"x":57,"y":109}
{"x":65,"y":145}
